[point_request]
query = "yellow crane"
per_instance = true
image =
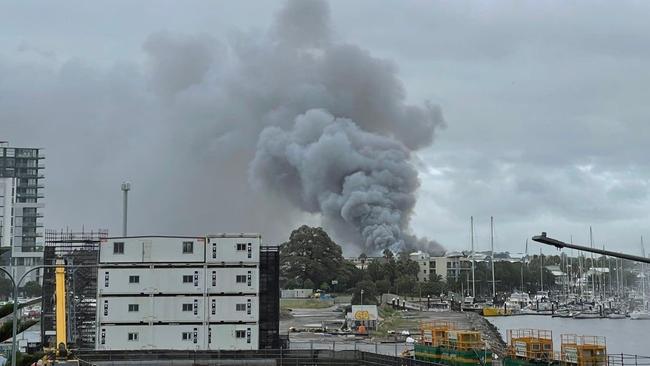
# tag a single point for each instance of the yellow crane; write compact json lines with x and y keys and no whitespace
{"x":60,"y":355}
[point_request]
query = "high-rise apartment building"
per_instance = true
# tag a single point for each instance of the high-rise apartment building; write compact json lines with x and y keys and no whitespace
{"x":21,"y":196}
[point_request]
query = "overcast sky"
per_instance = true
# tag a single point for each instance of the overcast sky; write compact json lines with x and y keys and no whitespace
{"x":545,"y":103}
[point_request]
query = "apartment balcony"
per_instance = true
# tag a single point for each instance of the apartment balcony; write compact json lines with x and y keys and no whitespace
{"x":30,"y":195}
{"x":32,"y":235}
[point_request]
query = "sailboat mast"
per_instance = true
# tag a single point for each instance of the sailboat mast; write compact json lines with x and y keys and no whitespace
{"x":494,"y":291}
{"x":580,"y":260}
{"x":524,"y":261}
{"x":593,"y":279}
{"x":471,"y":224}
{"x":541,"y":269}
{"x":642,"y":272}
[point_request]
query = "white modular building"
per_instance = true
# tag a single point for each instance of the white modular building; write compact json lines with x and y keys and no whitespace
{"x":179,"y":293}
{"x":192,"y":337}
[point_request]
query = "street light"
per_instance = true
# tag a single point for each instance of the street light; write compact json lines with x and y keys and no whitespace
{"x":15,"y":315}
{"x":361,"y":297}
{"x":15,"y":295}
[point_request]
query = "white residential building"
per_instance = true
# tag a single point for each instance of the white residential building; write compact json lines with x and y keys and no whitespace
{"x":21,"y":204}
{"x":179,"y":293}
{"x":447,"y":267}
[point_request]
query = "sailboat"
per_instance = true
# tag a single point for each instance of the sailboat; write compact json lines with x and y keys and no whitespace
{"x":643,"y":313}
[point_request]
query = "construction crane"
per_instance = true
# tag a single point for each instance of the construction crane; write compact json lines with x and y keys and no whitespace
{"x":544,"y":239}
{"x":60,"y":355}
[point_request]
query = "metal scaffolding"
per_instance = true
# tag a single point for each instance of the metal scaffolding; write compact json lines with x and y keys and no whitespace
{"x":269,"y":297}
{"x":81,"y":251}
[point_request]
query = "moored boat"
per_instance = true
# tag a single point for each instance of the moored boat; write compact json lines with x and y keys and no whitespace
{"x":640,"y":315}
{"x":588,"y":314}
{"x":496,"y":311}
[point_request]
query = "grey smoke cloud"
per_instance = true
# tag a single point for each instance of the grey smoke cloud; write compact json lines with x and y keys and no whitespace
{"x":348,"y":160}
{"x":339,"y":112}
{"x":354,"y":178}
{"x":193,"y":128}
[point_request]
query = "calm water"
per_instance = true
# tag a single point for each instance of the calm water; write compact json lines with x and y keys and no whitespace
{"x":622,"y":335}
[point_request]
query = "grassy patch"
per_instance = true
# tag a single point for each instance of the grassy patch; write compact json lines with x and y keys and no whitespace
{"x":394,"y":320}
{"x":305,"y":303}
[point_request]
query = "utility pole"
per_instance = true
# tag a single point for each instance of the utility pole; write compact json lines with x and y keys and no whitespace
{"x":126,"y":187}
{"x":494,"y":292}
{"x":471,"y":224}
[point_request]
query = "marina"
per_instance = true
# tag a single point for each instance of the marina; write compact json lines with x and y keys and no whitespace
{"x":622,"y":335}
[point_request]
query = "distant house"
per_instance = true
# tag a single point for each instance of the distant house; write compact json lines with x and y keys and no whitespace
{"x":561,"y":278}
{"x":366,"y":315}
{"x":362,"y":263}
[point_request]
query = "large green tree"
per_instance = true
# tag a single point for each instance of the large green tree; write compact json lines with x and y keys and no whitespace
{"x":310,"y":254}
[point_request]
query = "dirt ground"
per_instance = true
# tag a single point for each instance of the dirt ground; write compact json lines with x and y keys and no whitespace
{"x":389,"y":330}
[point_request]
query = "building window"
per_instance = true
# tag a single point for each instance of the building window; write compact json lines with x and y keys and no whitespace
{"x":240,"y":307}
{"x":134,"y":307}
{"x":241,"y":279}
{"x":187,"y":278}
{"x":241,"y":246}
{"x":187,"y":336}
{"x":240,"y":334}
{"x":133,"y":336}
{"x":425,"y":271}
{"x":118,"y":247}
{"x":188,"y":247}
{"x":187,"y":307}
{"x":134,"y":279}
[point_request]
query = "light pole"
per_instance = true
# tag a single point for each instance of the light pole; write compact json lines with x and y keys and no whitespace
{"x":126,"y":187}
{"x":361,"y":297}
{"x":15,"y":308}
{"x":15,"y":295}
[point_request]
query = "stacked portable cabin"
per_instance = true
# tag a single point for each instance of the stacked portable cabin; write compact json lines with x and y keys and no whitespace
{"x":530,"y":344}
{"x":443,"y":344}
{"x":583,"y":350}
{"x":180,"y":293}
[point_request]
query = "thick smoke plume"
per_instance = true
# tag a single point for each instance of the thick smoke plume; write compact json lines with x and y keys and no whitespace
{"x":347,"y":157}
{"x":254,"y":132}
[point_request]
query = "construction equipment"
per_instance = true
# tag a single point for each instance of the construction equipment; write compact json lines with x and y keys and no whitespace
{"x":60,"y":355}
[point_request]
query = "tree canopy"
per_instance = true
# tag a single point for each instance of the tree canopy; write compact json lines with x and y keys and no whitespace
{"x":311,"y":255}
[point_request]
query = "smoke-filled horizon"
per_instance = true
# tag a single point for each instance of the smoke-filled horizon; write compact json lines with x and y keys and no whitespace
{"x":259,"y":131}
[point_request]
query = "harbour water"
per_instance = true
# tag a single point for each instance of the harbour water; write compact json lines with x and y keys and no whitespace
{"x":622,"y":335}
